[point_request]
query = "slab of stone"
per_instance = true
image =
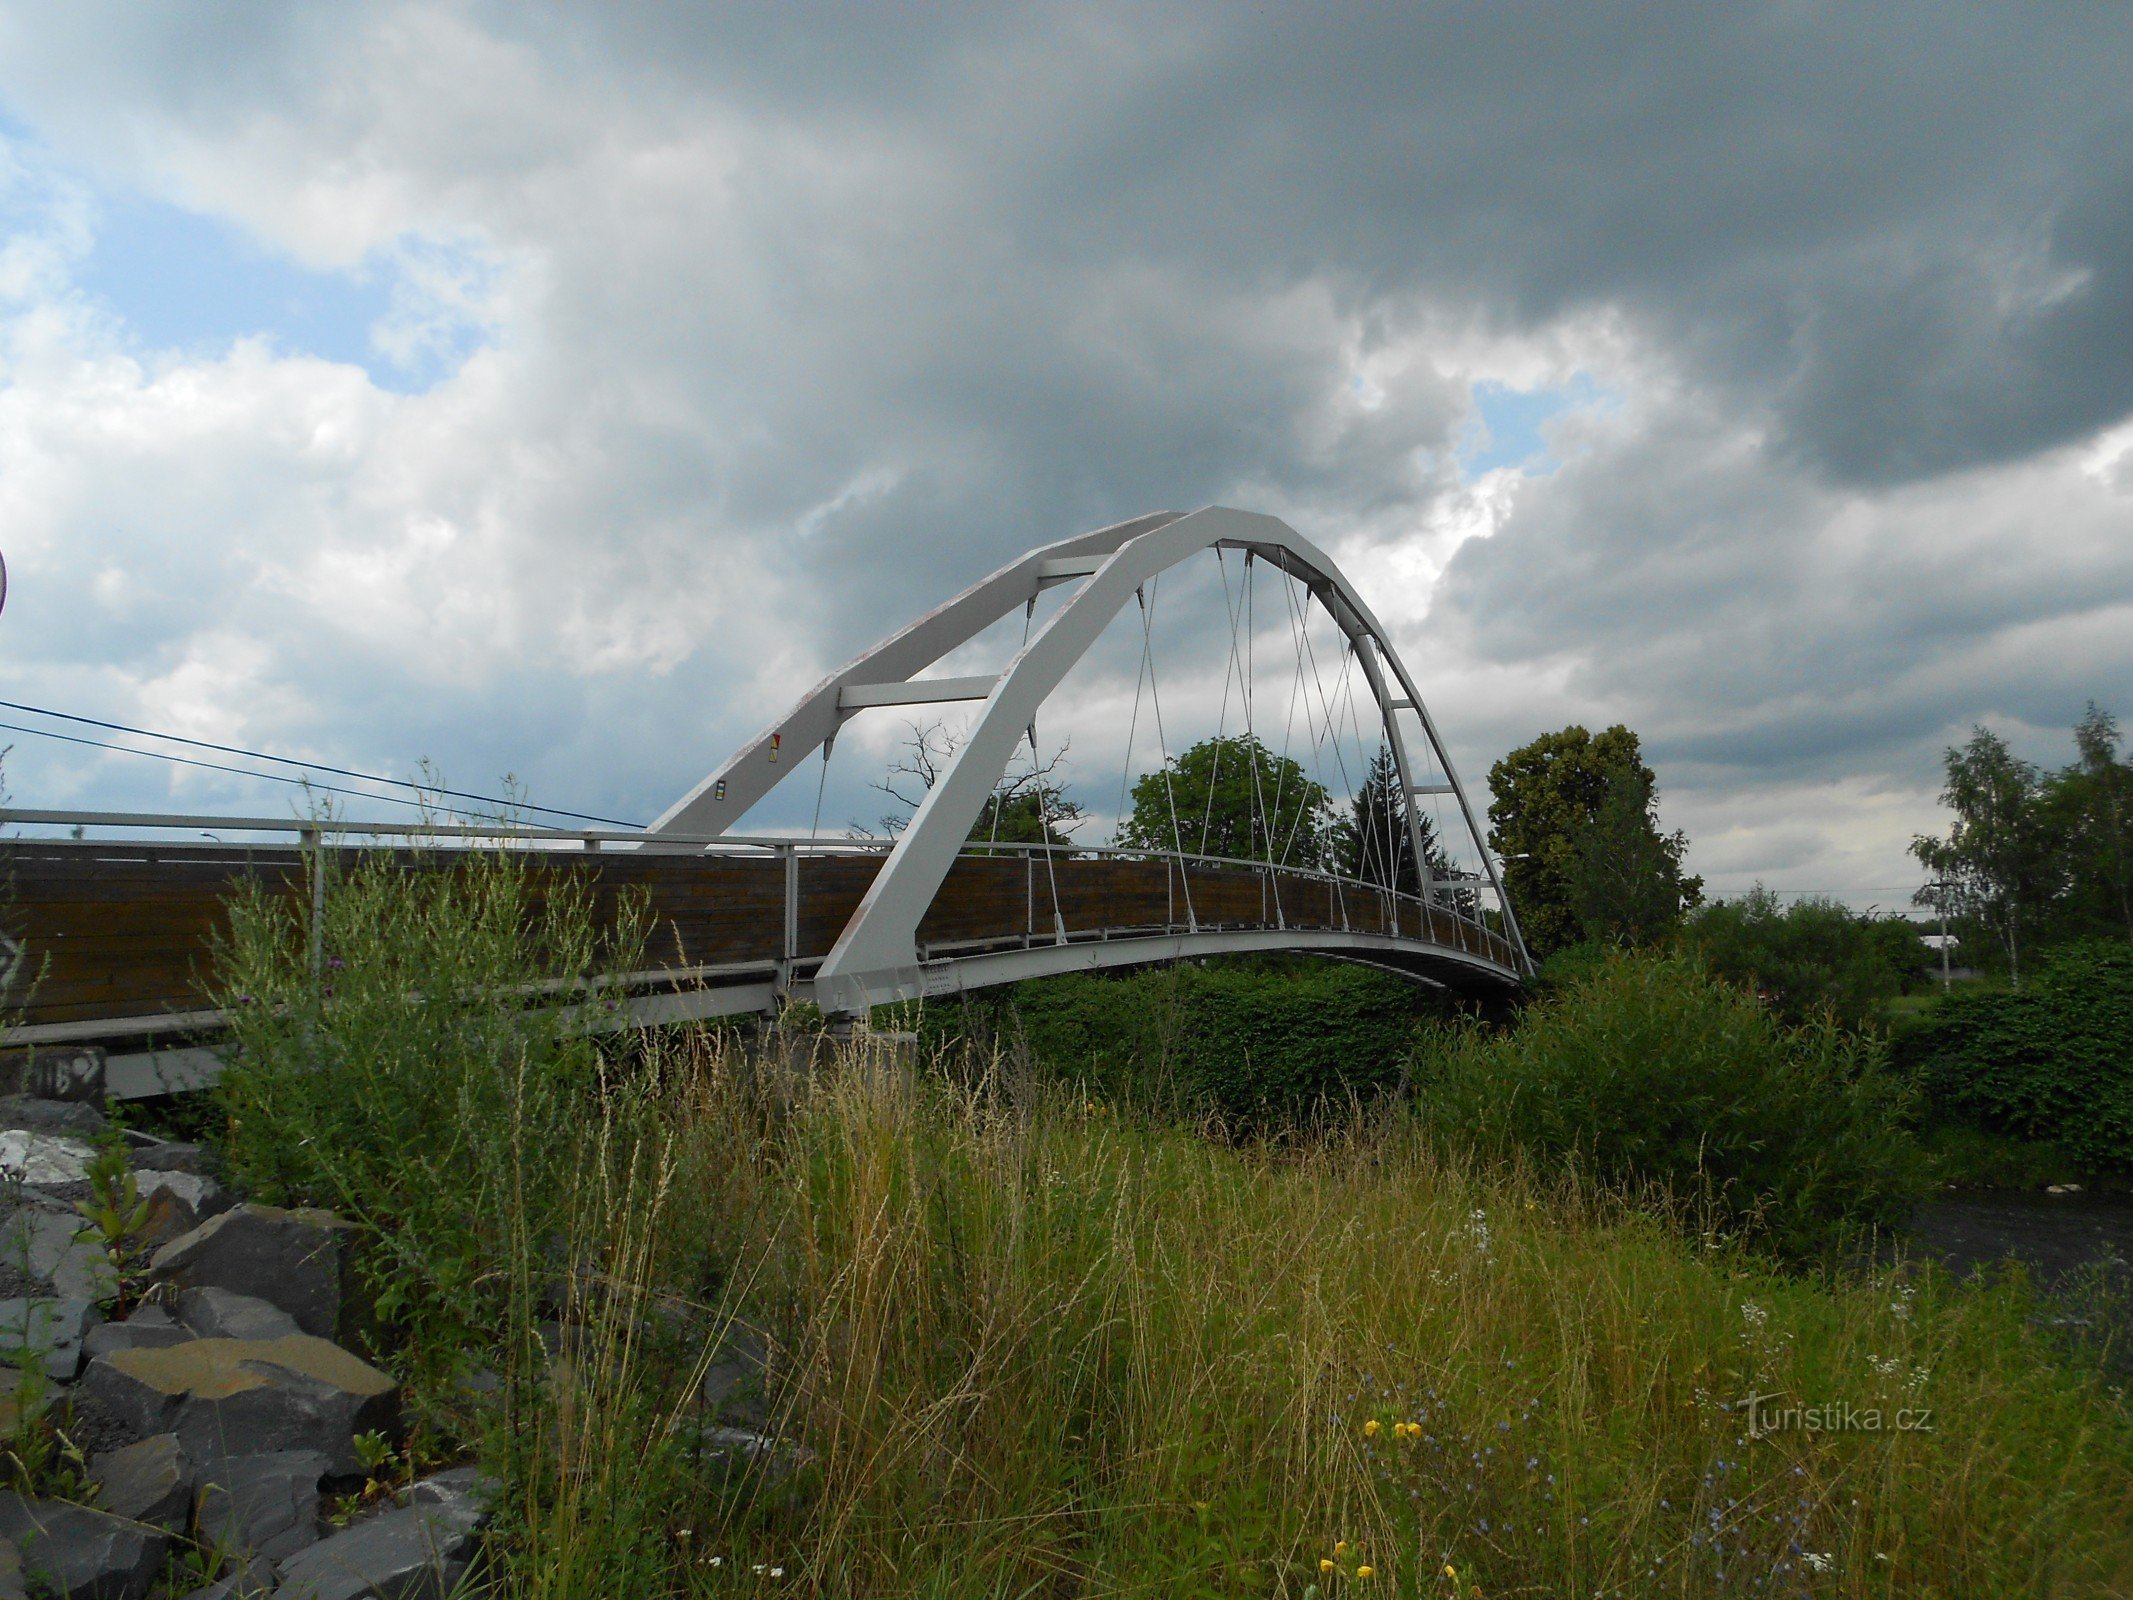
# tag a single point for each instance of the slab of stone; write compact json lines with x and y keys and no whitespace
{"x":288,"y":1258}
{"x":75,"y":1117}
{"x":150,"y":1328}
{"x":733,"y":1388}
{"x":47,"y":1331}
{"x":224,"y":1314}
{"x":45,"y":1157}
{"x":416,"y":1553}
{"x":150,"y":1482}
{"x":11,"y":1585}
{"x":266,"y":1505}
{"x":44,"y":1239}
{"x":166,"y":1155}
{"x":168,"y":1218}
{"x":70,"y":1551}
{"x":235,"y":1397}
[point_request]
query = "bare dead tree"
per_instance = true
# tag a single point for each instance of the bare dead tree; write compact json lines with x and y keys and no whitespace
{"x":1029,"y":801}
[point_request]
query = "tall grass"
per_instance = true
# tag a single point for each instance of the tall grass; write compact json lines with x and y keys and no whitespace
{"x":1036,"y":1347}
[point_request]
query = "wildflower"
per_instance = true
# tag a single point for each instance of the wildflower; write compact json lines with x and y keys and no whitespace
{"x":1324,"y":1565}
{"x":1340,"y":1547}
{"x":1366,"y":1572}
{"x":777,"y":1572}
{"x":1370,"y":1428}
{"x":714,"y":1561}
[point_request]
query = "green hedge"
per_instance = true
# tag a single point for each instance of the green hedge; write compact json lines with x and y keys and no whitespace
{"x":2052,"y":1060}
{"x":1256,"y":1041}
{"x":1650,"y":1072}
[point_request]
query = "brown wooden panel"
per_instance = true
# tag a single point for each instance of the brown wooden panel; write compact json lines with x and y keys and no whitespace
{"x":127,"y":932}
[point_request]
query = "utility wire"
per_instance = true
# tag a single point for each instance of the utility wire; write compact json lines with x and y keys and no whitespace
{"x":287,"y":761}
{"x":212,"y":766}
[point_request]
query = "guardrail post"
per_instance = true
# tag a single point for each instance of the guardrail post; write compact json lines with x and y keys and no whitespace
{"x":791,"y":941}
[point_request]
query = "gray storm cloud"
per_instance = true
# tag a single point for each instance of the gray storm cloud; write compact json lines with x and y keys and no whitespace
{"x":791,"y":321}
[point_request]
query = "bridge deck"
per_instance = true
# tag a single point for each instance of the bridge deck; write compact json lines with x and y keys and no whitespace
{"x":123,"y":935}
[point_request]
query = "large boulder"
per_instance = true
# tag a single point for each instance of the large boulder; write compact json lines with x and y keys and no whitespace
{"x":290,"y":1259}
{"x":45,"y":1158}
{"x":419,"y":1552}
{"x":72,"y":1553}
{"x":151,"y":1482}
{"x":46,"y":1332}
{"x":266,"y":1505}
{"x":237,"y":1397}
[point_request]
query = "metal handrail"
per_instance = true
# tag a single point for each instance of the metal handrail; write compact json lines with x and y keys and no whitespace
{"x":308,"y":830}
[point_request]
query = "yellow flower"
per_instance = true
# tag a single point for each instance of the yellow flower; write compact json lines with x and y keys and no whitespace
{"x":1324,"y":1565}
{"x":1370,"y":1428}
{"x":1366,"y":1572}
{"x":1451,"y":1572}
{"x":1340,"y":1547}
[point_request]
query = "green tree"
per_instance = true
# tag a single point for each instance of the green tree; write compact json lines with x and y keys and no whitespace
{"x":1626,"y":885}
{"x":1812,"y":956}
{"x":1372,"y":843}
{"x":2088,"y":812}
{"x":1997,"y":866}
{"x":1548,"y":799}
{"x":1231,"y":796}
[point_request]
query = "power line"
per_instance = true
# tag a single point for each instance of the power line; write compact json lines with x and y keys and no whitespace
{"x":260,"y":755}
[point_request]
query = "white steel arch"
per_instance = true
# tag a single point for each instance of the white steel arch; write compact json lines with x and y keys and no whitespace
{"x":876,"y":957}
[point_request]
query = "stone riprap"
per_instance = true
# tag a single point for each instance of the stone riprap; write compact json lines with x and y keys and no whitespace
{"x":151,"y":1482}
{"x":265,"y":1504}
{"x":72,"y":1551}
{"x":47,"y":1333}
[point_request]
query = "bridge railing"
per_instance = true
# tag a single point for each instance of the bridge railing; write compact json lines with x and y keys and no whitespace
{"x":763,"y":909}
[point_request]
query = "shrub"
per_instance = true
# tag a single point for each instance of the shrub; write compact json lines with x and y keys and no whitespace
{"x":418,"y":1084}
{"x":2052,"y":1060}
{"x":1651,"y":1073}
{"x":1259,"y":1042}
{"x":1810,"y":956}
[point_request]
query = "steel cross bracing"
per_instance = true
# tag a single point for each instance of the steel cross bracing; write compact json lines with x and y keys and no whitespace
{"x":877,"y":957}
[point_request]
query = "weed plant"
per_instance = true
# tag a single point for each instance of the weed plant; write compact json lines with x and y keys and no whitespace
{"x":427,"y":1078}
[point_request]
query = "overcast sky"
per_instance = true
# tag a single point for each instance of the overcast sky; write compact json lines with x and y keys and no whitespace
{"x":560,"y":391}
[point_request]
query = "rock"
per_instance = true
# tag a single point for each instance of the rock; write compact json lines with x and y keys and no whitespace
{"x":773,"y":1466}
{"x":233,"y":1397}
{"x":202,"y":1196}
{"x":168,"y":1218}
{"x":221,"y":1314}
{"x":417,"y":1553}
{"x":264,"y":1504}
{"x":148,"y":1482}
{"x":149,"y":1328}
{"x":75,"y":1117}
{"x":244,"y":1579}
{"x":467,"y":1488}
{"x":45,"y":1239}
{"x":51,"y":1331}
{"x":73,"y":1552}
{"x":2063,"y":1188}
{"x":167,"y":1155}
{"x":11,"y":1587}
{"x":287,"y":1258}
{"x":733,"y":1389}
{"x":45,"y":1157}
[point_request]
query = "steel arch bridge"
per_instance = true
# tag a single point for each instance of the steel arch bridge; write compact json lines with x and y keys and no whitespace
{"x":1209,"y":906}
{"x":123,"y":927}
